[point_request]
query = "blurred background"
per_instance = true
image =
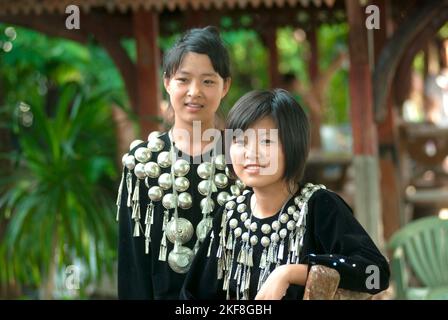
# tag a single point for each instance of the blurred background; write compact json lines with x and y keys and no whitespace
{"x":79,"y":83}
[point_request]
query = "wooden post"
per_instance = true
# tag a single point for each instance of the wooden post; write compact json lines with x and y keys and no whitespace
{"x":391,"y":207}
{"x":367,"y":194}
{"x":313,"y":71}
{"x":270,"y":37}
{"x":146,"y":31}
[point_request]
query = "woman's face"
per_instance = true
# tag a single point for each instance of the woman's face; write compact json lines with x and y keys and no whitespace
{"x":257,"y":155}
{"x":196,"y":89}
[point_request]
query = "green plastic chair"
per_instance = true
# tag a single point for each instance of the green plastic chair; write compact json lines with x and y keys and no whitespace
{"x":421,"y":247}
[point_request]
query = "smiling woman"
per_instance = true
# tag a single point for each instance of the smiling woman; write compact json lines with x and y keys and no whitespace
{"x":263,"y":242}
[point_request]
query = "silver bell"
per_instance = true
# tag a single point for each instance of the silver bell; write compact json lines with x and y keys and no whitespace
{"x":155,"y":145}
{"x":169,"y":201}
{"x":235,"y":190}
{"x":185,"y":200}
{"x":134,"y":144}
{"x":181,"y":167}
{"x":165,"y":181}
{"x":180,"y":230}
{"x":204,"y":226}
{"x":142,"y":154}
{"x":155,"y":193}
{"x":180,"y":260}
{"x":181,"y":184}
{"x":130,"y":162}
{"x":154,"y":135}
{"x":152,"y":170}
{"x":220,"y":162}
{"x":209,"y":205}
{"x":221,"y":180}
{"x":164,"y":159}
{"x":203,"y":187}
{"x":123,"y":159}
{"x":205,"y":170}
{"x":139,"y":171}
{"x":223,"y":197}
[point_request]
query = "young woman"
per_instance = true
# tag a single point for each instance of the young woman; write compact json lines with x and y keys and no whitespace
{"x":264,"y":241}
{"x":172,"y":182}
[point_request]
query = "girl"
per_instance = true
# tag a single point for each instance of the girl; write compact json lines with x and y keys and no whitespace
{"x":263,"y":242}
{"x":171,"y":182}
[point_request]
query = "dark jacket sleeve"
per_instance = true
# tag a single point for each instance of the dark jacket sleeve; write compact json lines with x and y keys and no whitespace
{"x":344,"y":245}
{"x":134,"y":266}
{"x":201,"y":281}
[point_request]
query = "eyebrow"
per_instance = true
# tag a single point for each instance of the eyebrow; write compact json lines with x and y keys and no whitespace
{"x":203,"y":74}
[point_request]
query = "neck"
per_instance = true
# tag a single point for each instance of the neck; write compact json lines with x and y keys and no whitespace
{"x":268,"y":200}
{"x":188,"y":137}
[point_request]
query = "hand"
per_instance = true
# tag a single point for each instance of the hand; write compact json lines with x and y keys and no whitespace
{"x":275,"y":286}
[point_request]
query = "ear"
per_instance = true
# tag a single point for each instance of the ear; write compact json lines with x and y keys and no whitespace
{"x":227,"y":83}
{"x":166,"y":84}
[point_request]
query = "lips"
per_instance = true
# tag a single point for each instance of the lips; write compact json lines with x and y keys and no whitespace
{"x":193,"y":105}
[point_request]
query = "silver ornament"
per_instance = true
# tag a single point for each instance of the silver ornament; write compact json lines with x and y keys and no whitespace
{"x":240,"y":199}
{"x":253,"y":226}
{"x":265,"y":241}
{"x":240,"y":184}
{"x":283,"y":233}
{"x":230,"y":205}
{"x":229,"y":214}
{"x":291,"y":225}
{"x":220,"y":162}
{"x":180,"y":230}
{"x":247,"y":224}
{"x":205,"y":170}
{"x":185,"y":200}
{"x":227,"y":171}
{"x":164,"y":159}
{"x":152,"y":170}
{"x":296,"y":215}
{"x":284,"y":218}
{"x":276,"y":225}
{"x":221,"y":180}
{"x":169,"y":201}
{"x":291,"y":210}
{"x":210,"y":204}
{"x":155,"y":145}
{"x":139,"y":171}
{"x":155,"y":193}
{"x":243,"y":216}
{"x":241,"y":208}
{"x":274,"y":237}
{"x":123,"y":159}
{"x":154,"y":135}
{"x":253,"y":240}
{"x":265,"y":228}
{"x":181,"y":184}
{"x":233,"y":223}
{"x":238,"y":232}
{"x":204,"y":187}
{"x":235,"y":190}
{"x":203,"y":227}
{"x":165,"y":181}
{"x":181,"y":167}
{"x":245,"y":236}
{"x":134,"y":144}
{"x":180,"y":260}
{"x":130,"y":162}
{"x":222,"y":197}
{"x":142,"y":154}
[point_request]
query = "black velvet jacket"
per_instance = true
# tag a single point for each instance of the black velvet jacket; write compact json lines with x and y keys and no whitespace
{"x":333,"y":238}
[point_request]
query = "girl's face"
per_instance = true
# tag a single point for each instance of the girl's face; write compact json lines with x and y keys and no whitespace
{"x":257,"y":155}
{"x":196,"y":89}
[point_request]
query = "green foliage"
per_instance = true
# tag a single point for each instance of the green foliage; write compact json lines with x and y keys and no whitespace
{"x":56,"y":198}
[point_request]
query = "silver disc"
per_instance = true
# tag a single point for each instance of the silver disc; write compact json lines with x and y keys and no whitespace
{"x":180,"y":260}
{"x":182,"y":231}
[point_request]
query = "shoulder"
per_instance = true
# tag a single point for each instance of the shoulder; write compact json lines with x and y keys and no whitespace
{"x":142,"y":151}
{"x":327,"y":201}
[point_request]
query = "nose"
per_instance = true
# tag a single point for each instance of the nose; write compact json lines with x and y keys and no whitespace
{"x":251,"y":151}
{"x":194,"y":90}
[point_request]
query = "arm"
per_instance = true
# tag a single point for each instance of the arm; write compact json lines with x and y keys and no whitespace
{"x":343,"y":244}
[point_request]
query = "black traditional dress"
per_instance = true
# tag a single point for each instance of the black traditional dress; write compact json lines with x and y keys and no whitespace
{"x":314,"y":227}
{"x":165,"y":205}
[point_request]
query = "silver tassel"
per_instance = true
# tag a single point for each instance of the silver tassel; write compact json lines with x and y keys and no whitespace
{"x":210,"y":245}
{"x":280,"y":251}
{"x":120,"y":191}
{"x":129,"y":187}
{"x":162,"y":249}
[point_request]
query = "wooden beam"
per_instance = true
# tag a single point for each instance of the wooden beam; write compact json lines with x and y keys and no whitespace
{"x":397,"y":45}
{"x":146,"y":30}
{"x":366,"y":167}
{"x":269,"y":36}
